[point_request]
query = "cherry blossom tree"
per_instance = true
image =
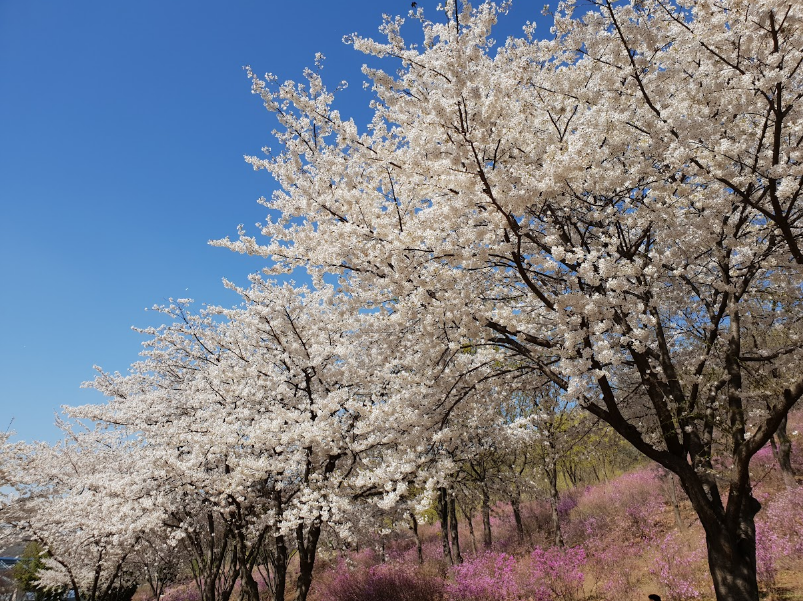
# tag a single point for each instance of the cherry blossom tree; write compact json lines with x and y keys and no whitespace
{"x":613,"y":209}
{"x":81,"y":501}
{"x":263,"y":427}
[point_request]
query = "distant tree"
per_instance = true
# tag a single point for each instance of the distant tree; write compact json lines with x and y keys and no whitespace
{"x":80,"y":501}
{"x":262,"y":425}
{"x":28,"y":570}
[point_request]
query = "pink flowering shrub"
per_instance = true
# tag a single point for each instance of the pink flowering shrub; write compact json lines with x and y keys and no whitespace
{"x":769,"y":547}
{"x":486,"y":577}
{"x":764,"y":456}
{"x":568,"y":501}
{"x":382,"y":583}
{"x":182,"y":592}
{"x":538,"y":516}
{"x":779,"y":535}
{"x":621,"y":582}
{"x":366,"y":557}
{"x":627,"y":504}
{"x":557,"y":574}
{"x":681,"y":568}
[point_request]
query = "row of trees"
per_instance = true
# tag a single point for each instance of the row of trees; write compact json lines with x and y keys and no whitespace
{"x":606,"y":220}
{"x":245,"y":435}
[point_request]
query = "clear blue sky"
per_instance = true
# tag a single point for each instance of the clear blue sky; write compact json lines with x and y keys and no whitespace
{"x":123,"y":127}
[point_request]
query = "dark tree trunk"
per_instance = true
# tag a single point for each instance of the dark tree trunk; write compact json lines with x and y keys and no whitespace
{"x":214,"y":567}
{"x":307,"y":545}
{"x":458,"y":558}
{"x":730,"y":533}
{"x":554,"y":499}
{"x":486,"y":518}
{"x":248,"y":585}
{"x":273,"y":555}
{"x":247,"y":558}
{"x":208,"y":593}
{"x":419,"y":549}
{"x":280,"y":569}
{"x":515,"y":504}
{"x":467,"y":514}
{"x":443,"y":515}
{"x":307,"y":548}
{"x":732,"y":557}
{"x":785,"y":455}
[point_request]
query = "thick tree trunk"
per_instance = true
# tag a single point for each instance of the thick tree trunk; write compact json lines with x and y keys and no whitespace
{"x":486,"y":518}
{"x":730,"y":537}
{"x":248,"y":585}
{"x":458,"y":558}
{"x":307,"y":548}
{"x":732,"y":563}
{"x":208,"y":593}
{"x":280,"y":569}
{"x":443,"y":515}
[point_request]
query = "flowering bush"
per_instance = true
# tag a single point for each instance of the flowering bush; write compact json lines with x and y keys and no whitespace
{"x":779,"y":535}
{"x":621,"y":582}
{"x":557,"y":573}
{"x":182,"y":592}
{"x":769,"y":547}
{"x":680,"y":568}
{"x":487,"y":577}
{"x":383,"y":582}
{"x":636,"y":495}
{"x":568,"y":501}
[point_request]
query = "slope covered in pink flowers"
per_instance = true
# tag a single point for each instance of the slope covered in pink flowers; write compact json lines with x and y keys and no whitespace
{"x":625,"y":538}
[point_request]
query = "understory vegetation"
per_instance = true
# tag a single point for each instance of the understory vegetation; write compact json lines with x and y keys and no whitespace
{"x":628,"y":532}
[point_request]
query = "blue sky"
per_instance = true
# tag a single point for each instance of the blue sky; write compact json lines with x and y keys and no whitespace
{"x":123,"y":127}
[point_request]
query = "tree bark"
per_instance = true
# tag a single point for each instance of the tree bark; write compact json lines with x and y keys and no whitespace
{"x":443,"y":515}
{"x":467,"y":514}
{"x":248,"y":585}
{"x":486,"y":518}
{"x":515,"y":505}
{"x":419,"y":549}
{"x":674,"y":497}
{"x":280,"y":569}
{"x":458,"y":558}
{"x":307,"y":548}
{"x":280,"y":558}
{"x":554,"y":499}
{"x":732,"y":556}
{"x":785,"y":455}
